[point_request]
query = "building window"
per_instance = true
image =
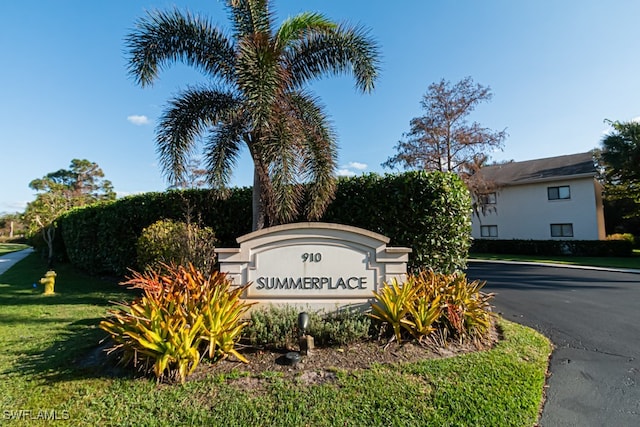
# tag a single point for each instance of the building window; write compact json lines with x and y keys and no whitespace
{"x":559,"y":193}
{"x":489,"y":231}
{"x":488,"y":199}
{"x":561,"y":230}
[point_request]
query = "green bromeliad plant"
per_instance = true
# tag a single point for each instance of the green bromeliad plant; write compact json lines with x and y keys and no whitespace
{"x":181,"y":315}
{"x":428,"y":302}
{"x":392,"y":305}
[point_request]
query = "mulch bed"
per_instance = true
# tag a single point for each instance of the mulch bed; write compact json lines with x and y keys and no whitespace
{"x":321,"y":364}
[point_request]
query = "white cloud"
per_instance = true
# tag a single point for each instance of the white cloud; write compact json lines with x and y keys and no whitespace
{"x":357,"y":165}
{"x":138,"y":120}
{"x":345,"y":172}
{"x":636,"y":119}
{"x":348,"y":169}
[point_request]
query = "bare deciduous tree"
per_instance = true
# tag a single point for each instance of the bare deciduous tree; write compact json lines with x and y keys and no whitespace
{"x":443,"y":140}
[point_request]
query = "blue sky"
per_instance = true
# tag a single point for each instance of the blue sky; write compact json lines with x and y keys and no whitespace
{"x":557,"y":69}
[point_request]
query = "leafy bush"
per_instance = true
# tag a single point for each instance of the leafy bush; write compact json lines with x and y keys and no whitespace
{"x":277,"y":326}
{"x":596,"y":248}
{"x":466,"y":311}
{"x":428,"y":302}
{"x":340,"y":327}
{"x":429,"y":212}
{"x":274,"y":325}
{"x":622,"y":236}
{"x":179,"y":316}
{"x":171,"y":242}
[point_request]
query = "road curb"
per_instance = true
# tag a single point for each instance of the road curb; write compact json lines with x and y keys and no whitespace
{"x":549,"y":264}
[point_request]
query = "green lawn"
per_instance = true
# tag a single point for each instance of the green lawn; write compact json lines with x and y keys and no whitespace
{"x":5,"y":248}
{"x":43,"y":339}
{"x":632,"y":262}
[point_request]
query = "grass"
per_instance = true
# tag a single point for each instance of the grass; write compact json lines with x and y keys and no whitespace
{"x":44,"y":339}
{"x":632,"y":262}
{"x":5,"y":248}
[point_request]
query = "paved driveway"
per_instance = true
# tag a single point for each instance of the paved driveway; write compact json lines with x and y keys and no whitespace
{"x":593,"y":319}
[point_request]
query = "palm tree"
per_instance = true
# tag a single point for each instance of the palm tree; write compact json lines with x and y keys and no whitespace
{"x":257,"y":97}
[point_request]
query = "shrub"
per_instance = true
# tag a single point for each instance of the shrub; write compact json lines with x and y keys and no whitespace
{"x":466,"y":312}
{"x":596,"y":248}
{"x":102,"y":238}
{"x":171,"y":242}
{"x":180,"y":315}
{"x":273,"y":326}
{"x":622,"y":236}
{"x":428,"y":302}
{"x":427,"y":212}
{"x":19,"y":239}
{"x":340,"y":327}
{"x":277,"y":326}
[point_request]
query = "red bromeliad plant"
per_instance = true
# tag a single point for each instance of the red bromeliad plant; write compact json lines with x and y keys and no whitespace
{"x":179,"y":313}
{"x":430,"y":301}
{"x":468,"y":311}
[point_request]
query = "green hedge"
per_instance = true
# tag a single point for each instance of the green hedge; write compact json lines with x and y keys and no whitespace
{"x":428,"y":212}
{"x":102,"y":238}
{"x":596,"y":248}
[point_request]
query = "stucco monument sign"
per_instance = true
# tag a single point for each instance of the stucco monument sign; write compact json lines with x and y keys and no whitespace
{"x":313,"y":264}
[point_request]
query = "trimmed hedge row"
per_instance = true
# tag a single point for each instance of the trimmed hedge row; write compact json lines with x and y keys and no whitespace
{"x":102,"y":238}
{"x":596,"y":248}
{"x":428,"y":212}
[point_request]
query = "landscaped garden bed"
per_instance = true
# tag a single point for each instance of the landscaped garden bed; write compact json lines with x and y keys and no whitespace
{"x":323,"y":363}
{"x":46,"y":361}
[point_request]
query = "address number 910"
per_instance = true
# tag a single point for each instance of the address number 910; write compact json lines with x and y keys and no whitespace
{"x":311,"y":257}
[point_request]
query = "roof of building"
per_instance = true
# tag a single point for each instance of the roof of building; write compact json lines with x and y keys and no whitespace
{"x":546,"y":169}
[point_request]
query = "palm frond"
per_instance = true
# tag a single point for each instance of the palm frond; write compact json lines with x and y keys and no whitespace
{"x":282,"y":151}
{"x":222,"y":150}
{"x":340,"y":51}
{"x":162,"y":38}
{"x":258,"y":78}
{"x":320,"y":152}
{"x":186,"y":118}
{"x":250,"y":17}
{"x":295,"y":28}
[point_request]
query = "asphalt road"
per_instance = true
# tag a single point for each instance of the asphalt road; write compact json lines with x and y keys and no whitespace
{"x":593,"y":319}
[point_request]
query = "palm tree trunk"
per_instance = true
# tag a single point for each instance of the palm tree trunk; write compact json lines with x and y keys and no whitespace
{"x":257,"y":206}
